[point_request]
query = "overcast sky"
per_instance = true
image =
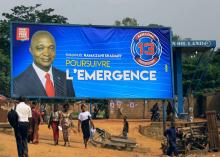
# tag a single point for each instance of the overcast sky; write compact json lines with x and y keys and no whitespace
{"x":198,"y":19}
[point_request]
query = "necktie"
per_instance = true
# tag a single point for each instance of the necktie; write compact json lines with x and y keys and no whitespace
{"x":49,"y":86}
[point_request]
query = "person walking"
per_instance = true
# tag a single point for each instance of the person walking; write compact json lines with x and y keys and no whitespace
{"x":170,"y":133}
{"x":54,"y":122}
{"x":66,"y":123}
{"x":84,"y":119}
{"x":21,"y":133}
{"x":125,"y":128}
{"x":170,"y":111}
{"x":35,"y":122}
{"x":155,"y":115}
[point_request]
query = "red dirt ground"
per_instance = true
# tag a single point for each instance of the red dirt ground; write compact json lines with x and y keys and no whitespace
{"x":146,"y":146}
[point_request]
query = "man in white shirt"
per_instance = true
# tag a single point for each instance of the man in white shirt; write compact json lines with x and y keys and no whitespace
{"x":21,"y":132}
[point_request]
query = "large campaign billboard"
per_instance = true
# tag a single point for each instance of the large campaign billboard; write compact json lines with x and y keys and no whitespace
{"x":77,"y":61}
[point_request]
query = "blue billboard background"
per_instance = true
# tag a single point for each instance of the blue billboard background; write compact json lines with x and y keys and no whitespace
{"x":96,"y":43}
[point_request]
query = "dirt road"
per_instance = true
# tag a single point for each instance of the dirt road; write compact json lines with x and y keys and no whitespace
{"x":146,"y":146}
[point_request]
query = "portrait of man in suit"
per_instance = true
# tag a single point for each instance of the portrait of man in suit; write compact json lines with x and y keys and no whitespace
{"x":41,"y":78}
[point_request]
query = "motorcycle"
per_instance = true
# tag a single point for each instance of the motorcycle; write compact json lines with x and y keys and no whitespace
{"x":155,"y":116}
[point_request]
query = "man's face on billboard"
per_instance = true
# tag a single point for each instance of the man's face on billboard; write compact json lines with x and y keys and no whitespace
{"x":43,"y":49}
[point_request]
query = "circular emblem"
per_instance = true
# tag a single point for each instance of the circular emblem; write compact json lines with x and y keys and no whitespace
{"x":146,"y":48}
{"x":207,"y":43}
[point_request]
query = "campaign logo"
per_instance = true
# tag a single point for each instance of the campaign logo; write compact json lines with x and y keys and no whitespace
{"x":22,"y":33}
{"x":146,"y":48}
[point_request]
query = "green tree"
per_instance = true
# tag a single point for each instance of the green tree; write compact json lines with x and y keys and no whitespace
{"x":175,"y":37}
{"x":26,"y":14}
{"x":133,"y":22}
{"x":154,"y":25}
{"x":117,"y":23}
{"x":201,"y":72}
{"x":4,"y":73}
{"x":127,"y":22}
{"x":21,"y":14}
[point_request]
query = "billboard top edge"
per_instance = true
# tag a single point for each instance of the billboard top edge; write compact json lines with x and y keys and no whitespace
{"x":88,"y":25}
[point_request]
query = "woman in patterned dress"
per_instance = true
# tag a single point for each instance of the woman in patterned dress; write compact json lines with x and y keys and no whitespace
{"x":66,"y":123}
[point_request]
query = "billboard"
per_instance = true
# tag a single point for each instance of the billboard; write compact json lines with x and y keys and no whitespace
{"x":75,"y":61}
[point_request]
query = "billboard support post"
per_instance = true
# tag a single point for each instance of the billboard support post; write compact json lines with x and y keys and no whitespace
{"x":164,"y":115}
{"x":179,"y":80}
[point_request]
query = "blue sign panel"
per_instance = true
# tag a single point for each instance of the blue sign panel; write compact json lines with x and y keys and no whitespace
{"x":195,"y":43}
{"x":73,"y":61}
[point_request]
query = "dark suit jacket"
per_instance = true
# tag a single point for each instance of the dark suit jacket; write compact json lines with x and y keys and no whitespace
{"x":29,"y":84}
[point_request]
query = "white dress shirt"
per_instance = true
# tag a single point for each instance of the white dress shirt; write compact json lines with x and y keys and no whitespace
{"x":41,"y":74}
{"x":24,"y":112}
